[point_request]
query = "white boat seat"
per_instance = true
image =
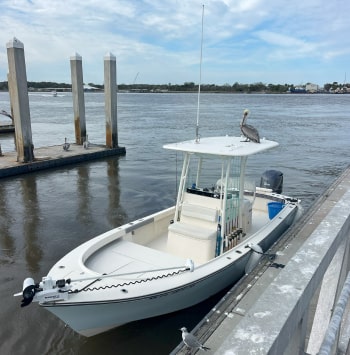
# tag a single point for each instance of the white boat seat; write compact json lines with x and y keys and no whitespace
{"x":192,"y":242}
{"x":200,"y":212}
{"x":192,"y":231}
{"x":199,"y":216}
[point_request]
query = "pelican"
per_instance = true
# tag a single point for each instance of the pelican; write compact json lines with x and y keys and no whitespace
{"x":250,"y":132}
{"x":66,"y":145}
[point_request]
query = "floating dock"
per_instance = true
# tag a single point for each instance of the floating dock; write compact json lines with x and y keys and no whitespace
{"x":54,"y":156}
{"x":27,"y":159}
{"x":7,"y":128}
{"x":297,"y":303}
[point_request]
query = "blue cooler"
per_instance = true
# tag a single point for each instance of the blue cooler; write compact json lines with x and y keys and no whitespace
{"x":274,"y":208}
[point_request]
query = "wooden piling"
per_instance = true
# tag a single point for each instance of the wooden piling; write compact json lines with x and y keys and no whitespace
{"x":18,"y":89}
{"x":110,"y":86}
{"x":78,"y":98}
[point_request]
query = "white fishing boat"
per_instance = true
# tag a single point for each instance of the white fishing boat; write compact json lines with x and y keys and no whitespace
{"x":216,"y":233}
{"x":177,"y":257}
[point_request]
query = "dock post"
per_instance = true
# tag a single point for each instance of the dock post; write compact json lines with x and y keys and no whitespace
{"x":78,"y":98}
{"x":18,"y":88}
{"x":11,"y":107}
{"x":110,"y":86}
{"x":8,"y":86}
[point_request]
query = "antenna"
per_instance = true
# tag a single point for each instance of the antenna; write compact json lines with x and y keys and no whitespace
{"x":200,"y":80}
{"x":136,"y":78}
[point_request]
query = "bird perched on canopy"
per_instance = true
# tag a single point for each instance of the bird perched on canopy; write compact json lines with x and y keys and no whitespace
{"x":191,"y":341}
{"x":250,"y":132}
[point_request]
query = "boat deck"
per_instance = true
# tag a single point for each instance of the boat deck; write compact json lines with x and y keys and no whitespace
{"x":124,"y":256}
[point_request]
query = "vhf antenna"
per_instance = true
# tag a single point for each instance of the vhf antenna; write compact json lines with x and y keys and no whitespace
{"x":200,"y":80}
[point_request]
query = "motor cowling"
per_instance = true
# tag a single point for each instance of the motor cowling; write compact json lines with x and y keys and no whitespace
{"x":29,"y":289}
{"x":272,"y":179}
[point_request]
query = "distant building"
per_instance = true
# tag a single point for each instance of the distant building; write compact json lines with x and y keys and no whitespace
{"x":311,"y":88}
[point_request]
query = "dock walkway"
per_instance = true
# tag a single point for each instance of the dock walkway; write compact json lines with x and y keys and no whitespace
{"x":54,"y":156}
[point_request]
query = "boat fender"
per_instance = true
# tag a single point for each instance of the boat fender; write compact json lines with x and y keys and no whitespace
{"x":190,"y":265}
{"x":258,"y":250}
{"x":253,"y":258}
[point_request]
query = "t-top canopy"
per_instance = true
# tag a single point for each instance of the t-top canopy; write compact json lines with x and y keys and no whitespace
{"x":222,"y":146}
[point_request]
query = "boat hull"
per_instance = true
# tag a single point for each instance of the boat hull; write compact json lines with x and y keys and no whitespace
{"x":91,"y":318}
{"x":83,"y":317}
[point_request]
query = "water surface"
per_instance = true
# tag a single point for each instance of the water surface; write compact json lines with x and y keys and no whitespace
{"x":44,"y":215}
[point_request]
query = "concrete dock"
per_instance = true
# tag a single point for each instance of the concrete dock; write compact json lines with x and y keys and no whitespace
{"x":285,"y":306}
{"x":54,"y":156}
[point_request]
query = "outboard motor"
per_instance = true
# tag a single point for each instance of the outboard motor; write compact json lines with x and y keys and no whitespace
{"x":272,"y":179}
{"x":28,"y":291}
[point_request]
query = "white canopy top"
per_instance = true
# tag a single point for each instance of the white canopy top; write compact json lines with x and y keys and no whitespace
{"x":222,"y":146}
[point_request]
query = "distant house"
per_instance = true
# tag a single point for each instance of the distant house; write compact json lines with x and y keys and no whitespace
{"x":311,"y":88}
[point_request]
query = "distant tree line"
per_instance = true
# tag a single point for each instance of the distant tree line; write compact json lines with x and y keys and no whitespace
{"x":38,"y":85}
{"x":192,"y":87}
{"x":185,"y":87}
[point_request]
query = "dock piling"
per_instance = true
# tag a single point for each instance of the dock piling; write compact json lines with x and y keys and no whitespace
{"x":22,"y":161}
{"x":110,"y":86}
{"x":76,"y":66}
{"x":18,"y":88}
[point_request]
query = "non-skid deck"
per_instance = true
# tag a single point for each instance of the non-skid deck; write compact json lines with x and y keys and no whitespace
{"x":123,"y":256}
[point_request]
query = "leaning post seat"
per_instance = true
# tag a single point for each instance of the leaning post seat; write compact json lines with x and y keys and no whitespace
{"x":194,"y":236}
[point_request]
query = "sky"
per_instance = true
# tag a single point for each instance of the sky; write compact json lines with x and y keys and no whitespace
{"x":159,"y":41}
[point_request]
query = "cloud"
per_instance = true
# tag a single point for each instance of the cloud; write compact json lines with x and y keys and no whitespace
{"x":161,"y":38}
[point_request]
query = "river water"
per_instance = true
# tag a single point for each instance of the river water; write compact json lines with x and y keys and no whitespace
{"x":44,"y":215}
